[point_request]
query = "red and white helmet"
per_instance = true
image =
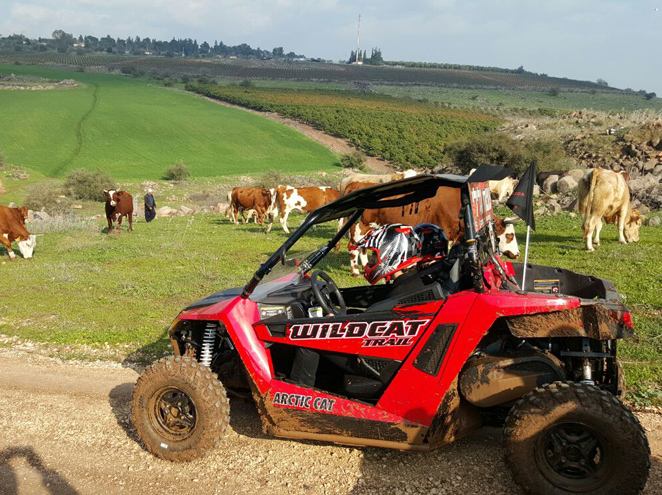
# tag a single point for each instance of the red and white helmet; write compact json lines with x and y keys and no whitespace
{"x":397,"y":247}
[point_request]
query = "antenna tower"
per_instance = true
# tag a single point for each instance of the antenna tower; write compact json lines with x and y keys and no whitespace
{"x":358,"y":37}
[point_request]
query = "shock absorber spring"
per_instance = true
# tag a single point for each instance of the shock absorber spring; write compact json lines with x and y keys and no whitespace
{"x":208,"y":340}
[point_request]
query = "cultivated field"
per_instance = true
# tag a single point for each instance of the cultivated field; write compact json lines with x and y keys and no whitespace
{"x":404,"y":132}
{"x":135,"y":129}
{"x":306,"y":71}
{"x":89,"y":294}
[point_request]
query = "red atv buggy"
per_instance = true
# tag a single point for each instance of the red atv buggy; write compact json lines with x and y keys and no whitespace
{"x":413,"y":365}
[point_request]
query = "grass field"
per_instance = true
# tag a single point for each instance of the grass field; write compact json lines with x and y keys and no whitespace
{"x":135,"y":129}
{"x":85,"y":287}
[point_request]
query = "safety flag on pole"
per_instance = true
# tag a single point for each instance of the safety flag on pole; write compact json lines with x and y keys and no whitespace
{"x":521,"y":201}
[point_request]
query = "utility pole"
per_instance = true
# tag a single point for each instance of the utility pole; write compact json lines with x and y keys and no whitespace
{"x":358,"y":37}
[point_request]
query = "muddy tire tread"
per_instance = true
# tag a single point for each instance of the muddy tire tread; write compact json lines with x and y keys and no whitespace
{"x":540,"y":401}
{"x":212,"y":406}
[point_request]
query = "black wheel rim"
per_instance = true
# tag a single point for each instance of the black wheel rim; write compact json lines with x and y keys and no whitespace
{"x":173,"y":414}
{"x":574,"y":457}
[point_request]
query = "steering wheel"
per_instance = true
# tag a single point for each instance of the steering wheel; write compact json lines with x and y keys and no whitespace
{"x":323,"y":293}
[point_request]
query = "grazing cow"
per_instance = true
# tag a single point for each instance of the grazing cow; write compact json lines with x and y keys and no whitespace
{"x":503,"y":188}
{"x":254,"y":200}
{"x":118,"y":204}
{"x":12,"y":228}
{"x":374,"y":178}
{"x":302,"y":199}
{"x":605,"y":194}
{"x":443,"y":209}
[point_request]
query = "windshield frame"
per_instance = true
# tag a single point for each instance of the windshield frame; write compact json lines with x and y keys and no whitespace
{"x":411,"y":190}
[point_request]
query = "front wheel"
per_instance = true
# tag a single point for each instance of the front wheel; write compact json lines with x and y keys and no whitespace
{"x":567,"y":437}
{"x":180,"y":409}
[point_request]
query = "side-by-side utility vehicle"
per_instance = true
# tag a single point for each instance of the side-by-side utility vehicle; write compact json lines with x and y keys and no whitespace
{"x":410,"y":365}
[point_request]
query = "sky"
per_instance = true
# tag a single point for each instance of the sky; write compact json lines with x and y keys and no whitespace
{"x":616,"y":40}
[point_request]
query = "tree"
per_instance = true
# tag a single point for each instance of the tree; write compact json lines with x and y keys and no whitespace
{"x":352,"y":57}
{"x":278,"y":52}
{"x":602,"y":82}
{"x":650,"y":96}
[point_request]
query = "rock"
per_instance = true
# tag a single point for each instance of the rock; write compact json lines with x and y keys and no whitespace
{"x":536,"y":190}
{"x":76,"y":207}
{"x":642,"y":185}
{"x":2,"y":189}
{"x":654,"y":222}
{"x":649,"y":166}
{"x":549,"y":186}
{"x":573,"y":205}
{"x":633,"y":172}
{"x":554,"y":206}
{"x":30,"y":215}
{"x":221,"y":207}
{"x":540,"y":211}
{"x":166,"y":211}
{"x":657,"y":170}
{"x":96,"y":217}
{"x":572,"y":215}
{"x":11,"y":205}
{"x":576,"y":174}
{"x":186,"y":210}
{"x":566,"y":184}
{"x":41,"y":215}
{"x":643,"y":209}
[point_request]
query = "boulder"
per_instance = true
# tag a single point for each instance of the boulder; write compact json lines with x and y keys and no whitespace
{"x":221,"y":207}
{"x":166,"y":211}
{"x":549,"y":186}
{"x":649,"y":166}
{"x":573,"y":205}
{"x":643,"y":185}
{"x":540,"y":211}
{"x":657,"y":170}
{"x":653,"y":222}
{"x":554,"y":206}
{"x":76,"y":207}
{"x":643,"y":209}
{"x":186,"y":210}
{"x":566,"y":184}
{"x":41,"y":215}
{"x":576,"y":173}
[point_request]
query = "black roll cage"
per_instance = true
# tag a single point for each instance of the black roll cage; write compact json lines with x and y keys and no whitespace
{"x":410,"y":190}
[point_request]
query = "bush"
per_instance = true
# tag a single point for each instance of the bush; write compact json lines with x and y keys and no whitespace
{"x":553,"y":91}
{"x":246,"y":83}
{"x":500,"y":149}
{"x":47,"y":196}
{"x":355,"y":159}
{"x":88,"y":185}
{"x":179,"y":171}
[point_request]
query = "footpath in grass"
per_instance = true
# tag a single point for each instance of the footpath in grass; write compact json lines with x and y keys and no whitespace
{"x":135,"y":129}
{"x":85,"y":287}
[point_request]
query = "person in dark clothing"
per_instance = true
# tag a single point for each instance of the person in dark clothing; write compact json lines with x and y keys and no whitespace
{"x":150,"y":206}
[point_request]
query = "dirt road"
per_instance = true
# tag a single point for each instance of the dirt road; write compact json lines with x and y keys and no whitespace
{"x":66,"y":430}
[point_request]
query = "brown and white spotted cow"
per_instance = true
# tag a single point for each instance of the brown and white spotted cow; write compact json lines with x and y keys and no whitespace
{"x":119,"y":204}
{"x":443,"y":209}
{"x":12,"y":229}
{"x":302,"y":199}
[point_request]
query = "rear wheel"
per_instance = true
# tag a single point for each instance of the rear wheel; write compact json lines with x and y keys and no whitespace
{"x":568,"y":438}
{"x":180,"y":409}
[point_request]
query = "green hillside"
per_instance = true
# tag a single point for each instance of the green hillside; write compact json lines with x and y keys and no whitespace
{"x":135,"y":130}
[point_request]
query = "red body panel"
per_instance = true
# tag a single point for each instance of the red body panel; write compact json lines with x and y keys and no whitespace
{"x":413,"y":395}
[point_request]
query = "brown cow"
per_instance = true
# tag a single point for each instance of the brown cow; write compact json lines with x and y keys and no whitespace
{"x":605,"y":194}
{"x":254,"y":200}
{"x":303,"y":199}
{"x":12,"y":228}
{"x":443,"y":209}
{"x":118,"y":204}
